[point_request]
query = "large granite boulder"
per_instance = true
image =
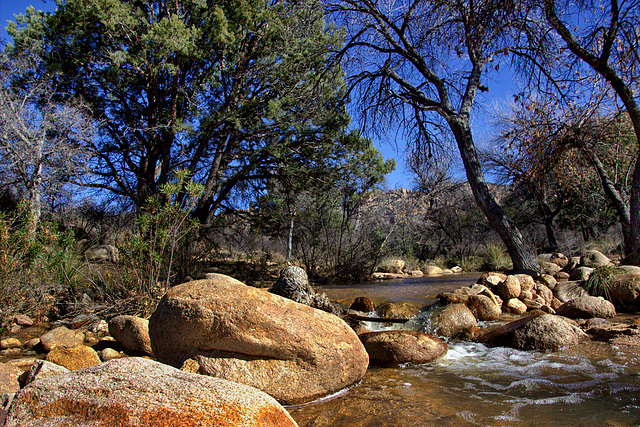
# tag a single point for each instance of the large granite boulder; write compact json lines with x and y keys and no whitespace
{"x":546,"y":332}
{"x":291,"y":351}
{"x":136,"y":392}
{"x":132,"y":332}
{"x":389,"y":347}
{"x":587,"y":307}
{"x":625,"y":288}
{"x":293,"y":284}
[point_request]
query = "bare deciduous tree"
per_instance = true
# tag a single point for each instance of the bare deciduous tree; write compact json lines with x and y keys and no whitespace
{"x":41,"y":149}
{"x":421,"y":65}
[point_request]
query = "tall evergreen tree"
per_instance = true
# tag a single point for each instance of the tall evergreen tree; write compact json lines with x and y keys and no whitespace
{"x":232,"y":90}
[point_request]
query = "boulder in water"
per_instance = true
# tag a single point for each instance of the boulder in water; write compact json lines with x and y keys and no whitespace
{"x":388,"y":347}
{"x":363,"y":304}
{"x":448,"y":321}
{"x":483,"y":307}
{"x":293,"y":352}
{"x":538,"y":331}
{"x":293,"y":284}
{"x":587,"y":307}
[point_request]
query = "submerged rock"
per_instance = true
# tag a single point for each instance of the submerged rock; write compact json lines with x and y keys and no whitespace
{"x":385,"y":347}
{"x":291,"y":351}
{"x":397,"y":310}
{"x":136,"y":392}
{"x":363,"y":304}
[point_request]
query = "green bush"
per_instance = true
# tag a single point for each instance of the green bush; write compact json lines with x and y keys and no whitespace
{"x":599,"y":283}
{"x":495,"y":257}
{"x":164,"y":236}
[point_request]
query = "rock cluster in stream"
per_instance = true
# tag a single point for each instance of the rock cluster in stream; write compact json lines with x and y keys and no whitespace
{"x":240,"y":352}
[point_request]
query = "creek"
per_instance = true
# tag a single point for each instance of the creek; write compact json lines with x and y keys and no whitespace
{"x":592,"y":385}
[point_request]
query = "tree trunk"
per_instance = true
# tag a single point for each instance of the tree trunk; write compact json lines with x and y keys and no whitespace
{"x":522,"y":257}
{"x":290,"y":240}
{"x":549,"y":216}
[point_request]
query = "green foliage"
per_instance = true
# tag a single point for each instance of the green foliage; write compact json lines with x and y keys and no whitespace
{"x":599,"y":283}
{"x":495,"y":257}
{"x":236,"y":91}
{"x":22,"y":250}
{"x":36,"y":261}
{"x":165,"y":230}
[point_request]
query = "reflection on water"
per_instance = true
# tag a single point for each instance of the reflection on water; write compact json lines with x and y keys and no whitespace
{"x":475,"y":385}
{"x":421,"y":290}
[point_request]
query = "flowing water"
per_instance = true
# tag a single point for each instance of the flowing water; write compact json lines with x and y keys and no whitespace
{"x":592,"y":385}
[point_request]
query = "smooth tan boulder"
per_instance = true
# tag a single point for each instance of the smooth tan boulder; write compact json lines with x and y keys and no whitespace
{"x":508,"y":288}
{"x":515,"y":306}
{"x":390,"y":347}
{"x":483,"y":307}
{"x":61,"y":337}
{"x":432,"y":270}
{"x":293,"y":352}
{"x":587,"y":307}
{"x":74,"y":358}
{"x":136,"y":392}
{"x":132,"y":332}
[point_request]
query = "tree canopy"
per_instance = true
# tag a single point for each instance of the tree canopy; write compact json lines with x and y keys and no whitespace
{"x":234,"y":91}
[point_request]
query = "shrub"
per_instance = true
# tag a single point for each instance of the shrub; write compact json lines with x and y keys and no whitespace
{"x":495,"y":257}
{"x":23,"y":257}
{"x":599,"y":283}
{"x":165,"y":233}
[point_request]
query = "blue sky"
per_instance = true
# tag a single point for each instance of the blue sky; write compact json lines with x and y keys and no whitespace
{"x":501,"y":88}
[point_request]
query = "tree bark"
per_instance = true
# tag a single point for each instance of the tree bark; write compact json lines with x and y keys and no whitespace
{"x":522,"y":257}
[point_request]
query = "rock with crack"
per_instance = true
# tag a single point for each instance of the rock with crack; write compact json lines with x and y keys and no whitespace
{"x":293,"y":352}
